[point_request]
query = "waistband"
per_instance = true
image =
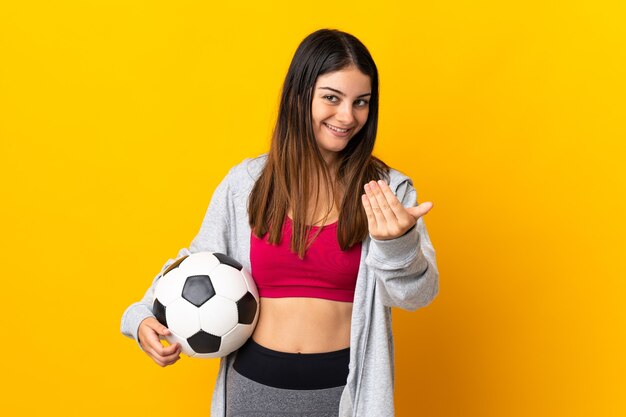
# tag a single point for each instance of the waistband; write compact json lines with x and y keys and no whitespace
{"x":300,"y":371}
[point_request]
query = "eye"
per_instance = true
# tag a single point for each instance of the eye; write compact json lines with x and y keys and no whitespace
{"x":331,"y":98}
{"x":362,"y":103}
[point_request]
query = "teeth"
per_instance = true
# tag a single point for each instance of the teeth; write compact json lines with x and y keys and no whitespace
{"x":336,"y":129}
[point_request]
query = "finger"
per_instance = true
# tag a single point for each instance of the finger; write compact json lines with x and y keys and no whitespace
{"x":162,"y":358}
{"x":395,"y":204}
{"x":159,"y":328}
{"x":164,"y":331}
{"x":159,"y":361}
{"x":371,"y":220}
{"x":385,"y":209}
{"x":170,"y":359}
{"x":420,"y":210}
{"x":154,"y":356}
{"x":154,"y":343}
{"x":378,"y":214}
{"x":171,"y":349}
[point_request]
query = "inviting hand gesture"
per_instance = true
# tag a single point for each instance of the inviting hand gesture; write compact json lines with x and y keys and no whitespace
{"x":387,"y":218}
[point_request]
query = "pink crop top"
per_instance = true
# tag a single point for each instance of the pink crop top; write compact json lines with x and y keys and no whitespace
{"x":325,"y":272}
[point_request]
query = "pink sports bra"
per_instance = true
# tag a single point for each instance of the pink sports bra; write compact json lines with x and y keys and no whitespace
{"x":325,"y":272}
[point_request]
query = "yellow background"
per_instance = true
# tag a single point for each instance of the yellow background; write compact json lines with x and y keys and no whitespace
{"x":118,"y":119}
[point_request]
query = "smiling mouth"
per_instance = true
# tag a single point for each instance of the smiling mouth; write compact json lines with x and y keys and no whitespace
{"x":336,"y":129}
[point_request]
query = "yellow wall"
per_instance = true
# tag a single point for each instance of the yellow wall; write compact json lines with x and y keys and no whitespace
{"x":118,"y":118}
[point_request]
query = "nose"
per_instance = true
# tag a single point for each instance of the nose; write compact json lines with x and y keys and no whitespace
{"x":344,"y":114}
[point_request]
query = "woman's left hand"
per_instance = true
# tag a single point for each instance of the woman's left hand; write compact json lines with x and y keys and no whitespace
{"x":387,"y":218}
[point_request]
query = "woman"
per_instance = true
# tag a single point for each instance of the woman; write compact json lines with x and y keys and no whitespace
{"x":333,"y":239}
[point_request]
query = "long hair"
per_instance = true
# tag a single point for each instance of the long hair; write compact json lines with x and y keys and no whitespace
{"x":294,"y":158}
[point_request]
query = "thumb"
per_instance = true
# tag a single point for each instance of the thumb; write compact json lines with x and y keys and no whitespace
{"x":159,"y":328}
{"x":163,"y":331}
{"x":420,"y":210}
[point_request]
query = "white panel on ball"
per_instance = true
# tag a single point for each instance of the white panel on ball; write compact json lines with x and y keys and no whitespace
{"x":170,"y":289}
{"x":200,"y":263}
{"x":182,"y":318}
{"x":173,"y":338}
{"x":218,"y":315}
{"x":234,"y":339}
{"x":227,"y":282}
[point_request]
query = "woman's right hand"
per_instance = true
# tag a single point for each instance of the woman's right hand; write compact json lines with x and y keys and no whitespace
{"x":149,"y":331}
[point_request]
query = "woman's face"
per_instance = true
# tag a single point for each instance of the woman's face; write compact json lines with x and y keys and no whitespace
{"x":339,"y":109}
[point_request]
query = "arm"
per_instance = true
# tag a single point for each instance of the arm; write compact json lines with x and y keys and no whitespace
{"x":405,"y":265}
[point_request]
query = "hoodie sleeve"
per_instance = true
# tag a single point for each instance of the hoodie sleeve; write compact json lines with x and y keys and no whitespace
{"x":405,"y":267}
{"x":213,"y":236}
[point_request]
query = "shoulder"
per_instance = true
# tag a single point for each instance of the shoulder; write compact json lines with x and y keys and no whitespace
{"x":243,"y":175}
{"x":397,"y":178}
{"x":390,"y":175}
{"x":402,"y":186}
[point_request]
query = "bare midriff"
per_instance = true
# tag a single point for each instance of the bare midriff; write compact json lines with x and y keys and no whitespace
{"x":303,"y":325}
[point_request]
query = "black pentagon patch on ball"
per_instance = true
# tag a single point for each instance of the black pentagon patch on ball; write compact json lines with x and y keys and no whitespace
{"x":246,"y":307}
{"x":158,"y":310}
{"x":198,"y":289}
{"x":203,"y":342}
{"x":175,"y":264}
{"x":225,"y":259}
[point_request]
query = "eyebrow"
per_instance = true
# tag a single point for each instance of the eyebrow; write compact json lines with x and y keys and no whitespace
{"x":341,"y":93}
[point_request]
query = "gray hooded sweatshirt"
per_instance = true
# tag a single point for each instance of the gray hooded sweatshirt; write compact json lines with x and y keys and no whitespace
{"x":400,"y":272}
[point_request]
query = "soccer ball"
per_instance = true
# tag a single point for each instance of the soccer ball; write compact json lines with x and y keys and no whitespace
{"x":209,"y":302}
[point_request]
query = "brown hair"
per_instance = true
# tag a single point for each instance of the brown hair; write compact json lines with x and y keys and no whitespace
{"x":294,"y":159}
